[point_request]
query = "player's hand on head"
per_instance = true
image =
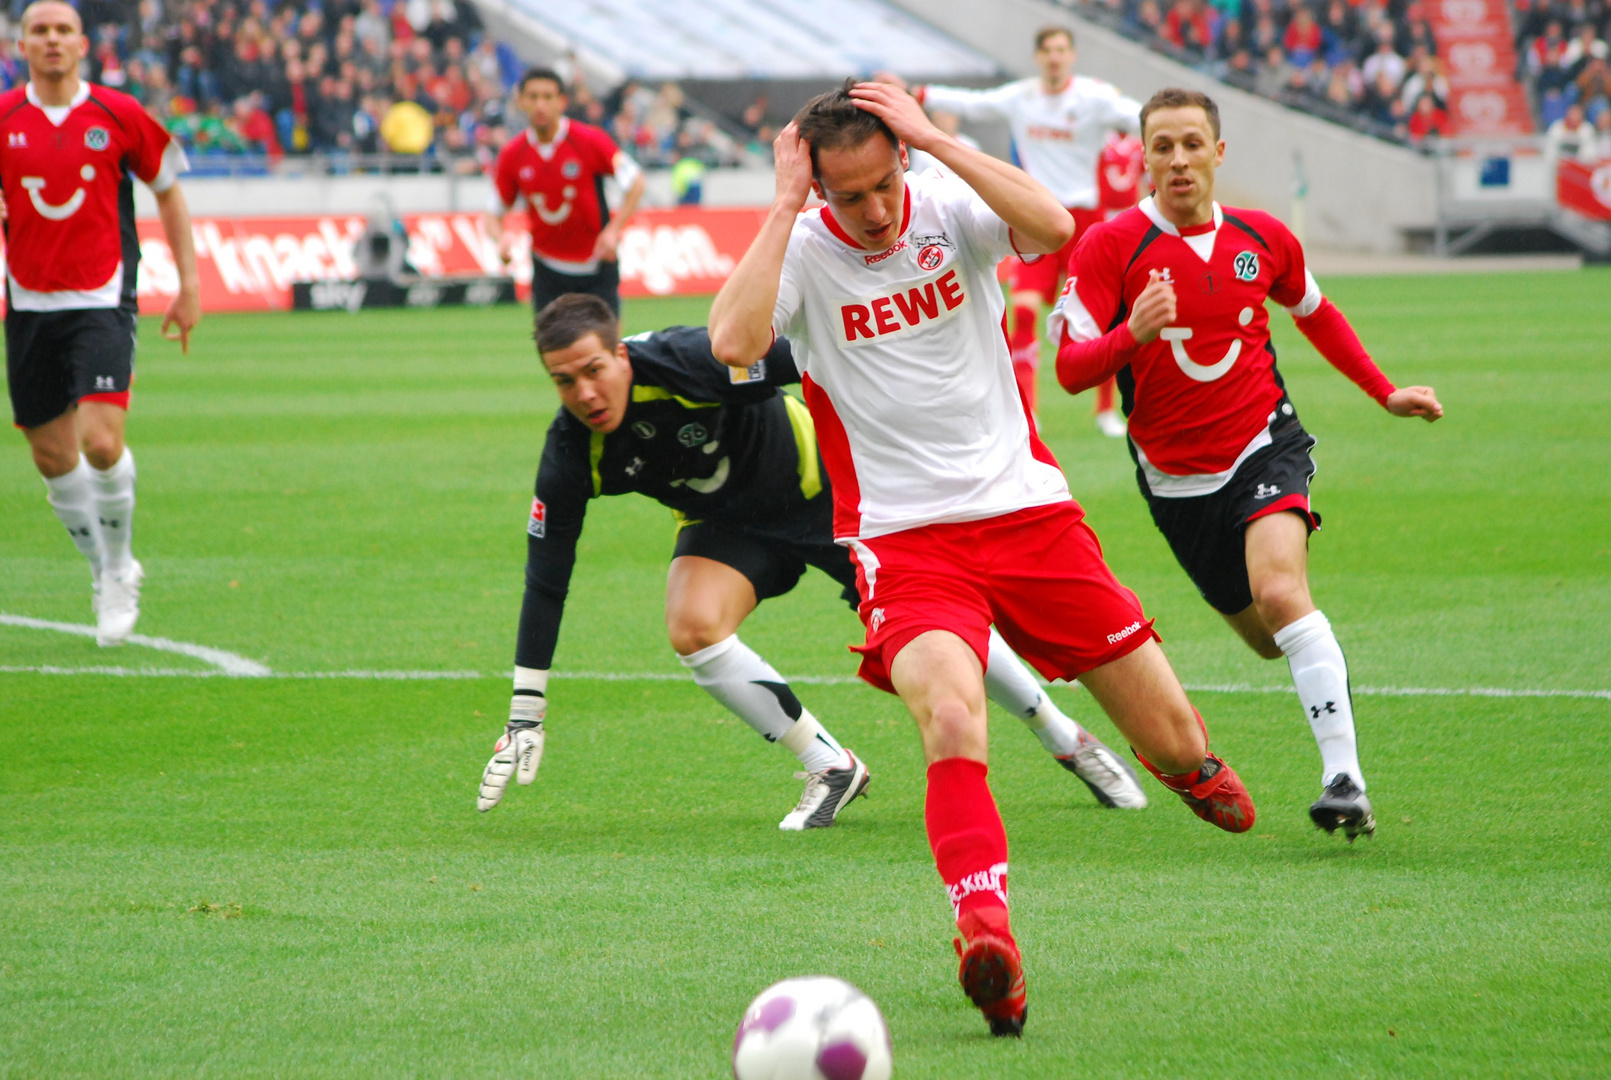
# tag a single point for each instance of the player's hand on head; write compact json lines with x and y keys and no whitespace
{"x":1153,"y":310}
{"x":182,"y":315}
{"x":900,"y":111}
{"x":791,"y":157}
{"x":1415,"y":401}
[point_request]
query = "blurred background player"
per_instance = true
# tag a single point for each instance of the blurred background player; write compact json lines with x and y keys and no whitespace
{"x":1220,"y":455}
{"x":1121,"y":180}
{"x":1059,"y":123}
{"x":956,"y":514}
{"x":69,"y":151}
{"x":558,"y":168}
{"x":736,"y":461}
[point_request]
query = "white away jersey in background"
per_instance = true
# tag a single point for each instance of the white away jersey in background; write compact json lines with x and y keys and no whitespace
{"x":1058,"y":136}
{"x":905,"y":367}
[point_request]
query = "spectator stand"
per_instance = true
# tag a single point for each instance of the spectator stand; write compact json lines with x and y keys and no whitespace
{"x":1506,"y":191}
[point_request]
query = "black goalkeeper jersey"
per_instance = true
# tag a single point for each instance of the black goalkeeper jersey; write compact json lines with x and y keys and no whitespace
{"x":711,"y":442}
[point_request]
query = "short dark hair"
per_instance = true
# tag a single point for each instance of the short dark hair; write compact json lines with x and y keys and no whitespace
{"x":1174,"y":97}
{"x":1046,"y":33}
{"x":833,"y":121}
{"x":541,"y":73}
{"x":571,"y":318}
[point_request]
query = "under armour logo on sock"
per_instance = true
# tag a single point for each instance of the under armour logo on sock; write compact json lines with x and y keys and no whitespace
{"x":1316,"y":710}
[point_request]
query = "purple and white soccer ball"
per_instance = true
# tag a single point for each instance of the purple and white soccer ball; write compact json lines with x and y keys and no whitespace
{"x":812,"y":1028}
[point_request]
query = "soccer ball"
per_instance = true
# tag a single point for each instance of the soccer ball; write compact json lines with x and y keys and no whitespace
{"x":812,"y":1028}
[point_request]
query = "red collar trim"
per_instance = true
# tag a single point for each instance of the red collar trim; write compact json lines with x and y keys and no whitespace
{"x":838,"y":230}
{"x":1198,"y":230}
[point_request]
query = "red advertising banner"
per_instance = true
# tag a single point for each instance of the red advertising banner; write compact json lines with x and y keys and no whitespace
{"x":1479,"y":58}
{"x":249,"y":263}
{"x":1585,"y":188}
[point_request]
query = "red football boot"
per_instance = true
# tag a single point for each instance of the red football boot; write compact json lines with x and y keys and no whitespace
{"x":992,"y":972}
{"x":1214,"y":792}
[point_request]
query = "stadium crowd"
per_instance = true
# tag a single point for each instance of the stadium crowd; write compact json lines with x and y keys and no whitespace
{"x":405,"y":77}
{"x":1372,"y":61}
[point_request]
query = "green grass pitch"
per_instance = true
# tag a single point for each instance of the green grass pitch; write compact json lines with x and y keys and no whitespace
{"x":287,"y":878}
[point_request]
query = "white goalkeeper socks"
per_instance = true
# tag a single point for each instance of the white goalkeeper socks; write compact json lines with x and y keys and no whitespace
{"x":1320,"y":672}
{"x":114,"y":507}
{"x":1009,"y":684}
{"x":72,"y":496}
{"x":735,"y":675}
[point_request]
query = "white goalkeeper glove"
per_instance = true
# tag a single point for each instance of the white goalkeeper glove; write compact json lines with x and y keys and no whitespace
{"x":517,"y":753}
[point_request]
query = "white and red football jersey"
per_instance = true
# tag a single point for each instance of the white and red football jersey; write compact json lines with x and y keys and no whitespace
{"x":562,"y":185}
{"x":1058,"y":136}
{"x":905,"y":366}
{"x":1204,"y":391}
{"x":65,"y":171}
{"x":1120,"y":176}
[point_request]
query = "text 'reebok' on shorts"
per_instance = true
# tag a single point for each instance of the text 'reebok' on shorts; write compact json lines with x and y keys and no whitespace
{"x":1037,"y":574}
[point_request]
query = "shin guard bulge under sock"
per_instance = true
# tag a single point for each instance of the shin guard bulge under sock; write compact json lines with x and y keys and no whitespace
{"x":735,"y":675}
{"x":966,"y":835}
{"x":114,"y":509}
{"x":72,"y":497}
{"x":1320,"y":673}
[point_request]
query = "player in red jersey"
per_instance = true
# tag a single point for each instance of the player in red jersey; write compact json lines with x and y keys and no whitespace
{"x":69,"y":152}
{"x":1120,"y":176}
{"x":1170,"y":298}
{"x":557,"y":167}
{"x":954,"y":511}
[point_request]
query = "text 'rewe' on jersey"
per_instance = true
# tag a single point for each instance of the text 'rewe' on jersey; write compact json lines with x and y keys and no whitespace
{"x":67,"y":172}
{"x":710,"y":442}
{"x":1201,"y":397}
{"x":905,"y":366}
{"x":562,"y":185}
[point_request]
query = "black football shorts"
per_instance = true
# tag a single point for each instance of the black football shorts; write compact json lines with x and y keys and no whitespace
{"x":773,"y":565}
{"x":1206,"y":532}
{"x":54,"y":359}
{"x":548,"y":284}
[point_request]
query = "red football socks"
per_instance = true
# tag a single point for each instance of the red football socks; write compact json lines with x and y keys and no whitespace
{"x":967,"y":837}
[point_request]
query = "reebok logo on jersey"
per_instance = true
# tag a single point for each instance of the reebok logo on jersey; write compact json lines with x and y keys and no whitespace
{"x":885,"y":315}
{"x":1114,"y":639}
{"x":538,"y":524}
{"x":879,"y":256}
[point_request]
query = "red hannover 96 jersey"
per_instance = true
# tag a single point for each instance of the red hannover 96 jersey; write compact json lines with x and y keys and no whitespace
{"x":1120,"y":178}
{"x":1203,"y":393}
{"x":562,"y":183}
{"x":65,"y":171}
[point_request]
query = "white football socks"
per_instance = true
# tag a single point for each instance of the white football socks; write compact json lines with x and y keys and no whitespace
{"x":72,"y":496}
{"x":114,"y":507}
{"x":735,"y":675}
{"x":1320,"y":672}
{"x":1009,"y":684}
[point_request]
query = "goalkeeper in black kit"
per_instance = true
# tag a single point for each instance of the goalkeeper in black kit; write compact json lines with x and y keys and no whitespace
{"x":735,"y":459}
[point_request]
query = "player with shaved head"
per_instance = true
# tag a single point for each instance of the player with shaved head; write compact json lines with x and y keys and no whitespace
{"x":69,"y":153}
{"x":1170,"y":298}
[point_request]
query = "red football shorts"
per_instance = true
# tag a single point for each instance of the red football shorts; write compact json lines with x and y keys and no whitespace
{"x":1037,"y":574}
{"x":1045,"y":275}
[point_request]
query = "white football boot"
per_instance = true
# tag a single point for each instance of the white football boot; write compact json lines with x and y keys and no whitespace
{"x":1110,"y":422}
{"x":117,"y":605}
{"x":826,"y":793}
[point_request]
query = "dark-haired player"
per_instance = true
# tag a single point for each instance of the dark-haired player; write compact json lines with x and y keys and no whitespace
{"x":1170,"y":298}
{"x":69,"y":154}
{"x":955,"y":512}
{"x":736,"y":461}
{"x":557,"y":167}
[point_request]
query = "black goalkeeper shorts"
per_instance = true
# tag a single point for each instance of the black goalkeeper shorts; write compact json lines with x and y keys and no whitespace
{"x":1207,"y":532}
{"x":772,"y":565}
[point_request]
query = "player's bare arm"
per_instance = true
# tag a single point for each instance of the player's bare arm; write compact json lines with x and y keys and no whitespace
{"x":185,"y":311}
{"x":741,"y":315}
{"x":1039,"y":222}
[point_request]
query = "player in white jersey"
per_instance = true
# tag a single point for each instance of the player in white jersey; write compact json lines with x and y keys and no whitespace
{"x":956,"y":514}
{"x":1060,"y":123}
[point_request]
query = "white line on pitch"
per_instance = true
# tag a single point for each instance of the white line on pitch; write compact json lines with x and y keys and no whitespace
{"x":227,"y":662}
{"x":803,"y":680}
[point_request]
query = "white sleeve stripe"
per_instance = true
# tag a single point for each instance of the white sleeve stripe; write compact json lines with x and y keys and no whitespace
{"x":626,"y":170}
{"x":1311,"y":298}
{"x":174,"y":162}
{"x":1070,"y":311}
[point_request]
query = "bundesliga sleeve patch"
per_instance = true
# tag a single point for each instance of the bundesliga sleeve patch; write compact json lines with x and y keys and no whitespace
{"x":538,"y":522}
{"x":756,"y":372}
